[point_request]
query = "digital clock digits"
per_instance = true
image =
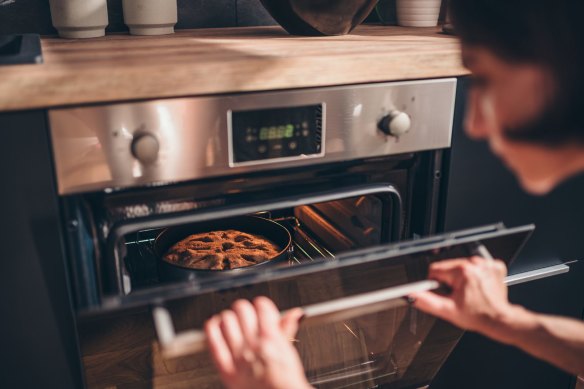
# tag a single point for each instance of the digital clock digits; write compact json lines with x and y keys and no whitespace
{"x":276,"y":132}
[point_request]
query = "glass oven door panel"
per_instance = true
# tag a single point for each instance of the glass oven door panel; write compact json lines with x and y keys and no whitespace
{"x":365,"y":351}
{"x":366,"y":270}
{"x":362,"y":269}
{"x":375,"y":357}
{"x":373,"y":343}
{"x":358,"y":352}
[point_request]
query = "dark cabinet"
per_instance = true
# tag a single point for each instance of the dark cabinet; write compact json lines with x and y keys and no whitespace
{"x":38,"y":338}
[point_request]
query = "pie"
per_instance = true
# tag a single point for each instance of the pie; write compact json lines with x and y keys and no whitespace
{"x":221,"y":250}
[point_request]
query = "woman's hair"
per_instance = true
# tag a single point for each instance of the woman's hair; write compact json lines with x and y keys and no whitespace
{"x":549,"y":33}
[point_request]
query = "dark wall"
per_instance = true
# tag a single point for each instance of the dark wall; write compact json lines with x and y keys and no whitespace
{"x":33,"y":16}
{"x":481,"y":191}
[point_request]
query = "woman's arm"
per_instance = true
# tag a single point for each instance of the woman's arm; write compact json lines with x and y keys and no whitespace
{"x":479,"y":302}
{"x":557,"y":340}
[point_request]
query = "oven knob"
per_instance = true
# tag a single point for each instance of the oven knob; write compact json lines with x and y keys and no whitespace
{"x":396,"y":123}
{"x":145,"y":148}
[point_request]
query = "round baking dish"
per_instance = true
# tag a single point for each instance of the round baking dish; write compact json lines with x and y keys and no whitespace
{"x":269,"y":229}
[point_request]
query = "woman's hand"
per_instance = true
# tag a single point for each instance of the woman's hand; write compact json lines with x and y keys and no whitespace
{"x":478,"y":301}
{"x":251,"y":347}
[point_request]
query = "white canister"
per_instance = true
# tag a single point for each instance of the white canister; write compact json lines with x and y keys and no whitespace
{"x":418,"y":13}
{"x":79,"y":18}
{"x":150,"y":17}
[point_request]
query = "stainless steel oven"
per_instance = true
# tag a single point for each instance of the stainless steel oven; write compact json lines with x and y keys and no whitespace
{"x":354,"y":174}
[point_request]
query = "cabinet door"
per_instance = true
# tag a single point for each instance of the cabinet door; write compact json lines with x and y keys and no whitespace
{"x":37,"y":337}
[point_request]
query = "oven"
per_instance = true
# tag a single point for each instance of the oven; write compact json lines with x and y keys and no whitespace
{"x":353,"y":175}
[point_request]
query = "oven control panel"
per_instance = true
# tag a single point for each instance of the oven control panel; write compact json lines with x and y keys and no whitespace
{"x":156,"y":142}
{"x":267,"y":135}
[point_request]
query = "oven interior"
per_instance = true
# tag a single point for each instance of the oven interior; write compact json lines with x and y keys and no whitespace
{"x":318,"y":231}
{"x":327,"y":210}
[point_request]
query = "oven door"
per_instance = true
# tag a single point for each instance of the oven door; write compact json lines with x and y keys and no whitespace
{"x":358,"y":330}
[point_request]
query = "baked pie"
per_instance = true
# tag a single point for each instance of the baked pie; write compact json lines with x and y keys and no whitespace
{"x":221,"y":250}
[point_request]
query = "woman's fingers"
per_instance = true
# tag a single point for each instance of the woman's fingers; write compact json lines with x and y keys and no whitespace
{"x":218,"y":347}
{"x":232,"y":333}
{"x":434,"y":304}
{"x":248,"y":321}
{"x":448,"y":264}
{"x":447,"y":272}
{"x":499,"y":267}
{"x":268,"y":316}
{"x":272,"y":363}
{"x":455,"y":272}
{"x":289,"y":322}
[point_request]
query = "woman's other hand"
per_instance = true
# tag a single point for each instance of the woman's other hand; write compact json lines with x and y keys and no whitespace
{"x":478,"y":298}
{"x":251,"y":346}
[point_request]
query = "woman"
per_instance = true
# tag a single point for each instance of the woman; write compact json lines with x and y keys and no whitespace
{"x":527,"y":61}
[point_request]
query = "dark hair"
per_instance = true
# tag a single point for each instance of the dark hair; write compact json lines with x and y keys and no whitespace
{"x":545,"y":32}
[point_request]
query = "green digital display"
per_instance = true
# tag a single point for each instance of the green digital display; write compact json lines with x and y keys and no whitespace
{"x":276,"y":132}
{"x":273,"y":133}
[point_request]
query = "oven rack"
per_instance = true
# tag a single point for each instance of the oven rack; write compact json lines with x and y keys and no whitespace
{"x":141,"y":260}
{"x":305,"y":247}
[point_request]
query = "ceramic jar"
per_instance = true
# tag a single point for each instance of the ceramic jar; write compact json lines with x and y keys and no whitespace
{"x":79,"y":18}
{"x":150,"y":17}
{"x":418,"y":13}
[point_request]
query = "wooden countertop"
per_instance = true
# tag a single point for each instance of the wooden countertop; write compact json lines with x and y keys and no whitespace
{"x":212,"y":61}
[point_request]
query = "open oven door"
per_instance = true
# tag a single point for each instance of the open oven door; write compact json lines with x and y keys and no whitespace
{"x":358,"y":331}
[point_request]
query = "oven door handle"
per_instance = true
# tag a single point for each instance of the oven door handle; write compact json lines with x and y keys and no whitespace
{"x":532,"y":275}
{"x":175,"y":345}
{"x":537,"y":274}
